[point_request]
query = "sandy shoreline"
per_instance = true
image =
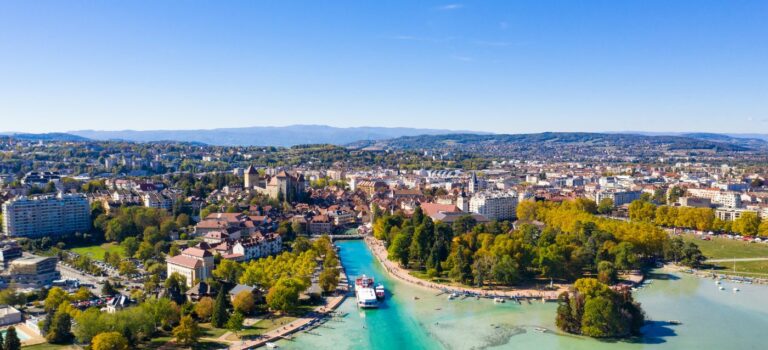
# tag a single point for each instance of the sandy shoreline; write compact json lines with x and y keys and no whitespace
{"x":378,"y":250}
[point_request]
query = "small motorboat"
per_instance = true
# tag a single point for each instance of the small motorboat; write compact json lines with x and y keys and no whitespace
{"x":735,"y":289}
{"x":272,"y":345}
{"x":498,"y":300}
{"x":675,"y":322}
{"x":722,"y":288}
{"x":540,"y":330}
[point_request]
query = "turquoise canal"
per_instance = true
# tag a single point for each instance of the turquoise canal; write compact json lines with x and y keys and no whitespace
{"x":711,"y":319}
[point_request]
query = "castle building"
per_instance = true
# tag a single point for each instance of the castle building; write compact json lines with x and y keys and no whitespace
{"x":283,"y":186}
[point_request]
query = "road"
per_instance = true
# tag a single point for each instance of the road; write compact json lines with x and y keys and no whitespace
{"x":70,"y":273}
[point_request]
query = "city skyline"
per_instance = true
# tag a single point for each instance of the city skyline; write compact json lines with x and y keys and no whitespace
{"x":494,"y":67}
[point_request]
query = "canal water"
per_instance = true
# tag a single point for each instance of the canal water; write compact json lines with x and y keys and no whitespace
{"x":711,"y":318}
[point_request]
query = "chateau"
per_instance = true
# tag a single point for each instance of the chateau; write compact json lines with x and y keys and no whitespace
{"x":284,"y":186}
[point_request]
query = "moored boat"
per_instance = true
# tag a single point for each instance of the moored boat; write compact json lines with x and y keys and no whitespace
{"x":380,"y":291}
{"x":365,"y":293}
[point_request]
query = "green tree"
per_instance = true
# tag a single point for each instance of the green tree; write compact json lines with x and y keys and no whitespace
{"x":329,"y":279}
{"x":235,"y":322}
{"x":565,"y":319}
{"x":55,"y":297}
{"x":109,"y":341}
{"x":506,"y":271}
{"x":284,"y":295}
{"x":605,"y":206}
{"x":10,"y":296}
{"x":220,"y":315}
{"x":182,"y":220}
{"x":12,"y":341}
{"x":130,"y":245}
{"x":187,"y":332}
{"x":60,"y":331}
{"x":626,"y":257}
{"x":127,"y":268}
{"x":601,"y":318}
{"x":399,"y":250}
{"x":748,"y":224}
{"x":228,"y":271}
{"x":606,"y":273}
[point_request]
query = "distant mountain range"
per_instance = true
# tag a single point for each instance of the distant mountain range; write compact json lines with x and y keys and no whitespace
{"x":52,"y":136}
{"x":359,"y":137}
{"x":265,"y":136}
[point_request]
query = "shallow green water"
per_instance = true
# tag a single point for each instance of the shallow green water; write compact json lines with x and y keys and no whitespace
{"x":712,"y":319}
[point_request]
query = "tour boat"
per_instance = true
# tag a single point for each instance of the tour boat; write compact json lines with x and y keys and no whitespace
{"x":379,"y":291}
{"x":365,"y":293}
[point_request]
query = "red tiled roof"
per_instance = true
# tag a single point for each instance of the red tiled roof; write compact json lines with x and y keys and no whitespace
{"x":431,"y":209}
{"x":196,"y":252}
{"x":184,"y":261}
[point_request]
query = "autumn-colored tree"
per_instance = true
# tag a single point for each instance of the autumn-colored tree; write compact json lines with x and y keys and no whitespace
{"x":109,"y":341}
{"x":187,"y":332}
{"x":244,"y":302}
{"x":204,"y":308}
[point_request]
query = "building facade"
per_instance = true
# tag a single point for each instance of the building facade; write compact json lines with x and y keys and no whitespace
{"x":46,"y":215}
{"x":194,"y":264}
{"x":494,"y":205}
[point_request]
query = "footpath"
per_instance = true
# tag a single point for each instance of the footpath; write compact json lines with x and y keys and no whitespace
{"x":380,"y":252}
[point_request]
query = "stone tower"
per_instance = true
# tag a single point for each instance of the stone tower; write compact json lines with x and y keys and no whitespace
{"x":251,"y":177}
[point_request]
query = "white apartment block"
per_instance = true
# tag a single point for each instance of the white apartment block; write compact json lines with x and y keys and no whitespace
{"x":51,"y":215}
{"x":494,"y":205}
{"x":258,"y":247}
{"x":619,"y":198}
{"x":725,"y":198}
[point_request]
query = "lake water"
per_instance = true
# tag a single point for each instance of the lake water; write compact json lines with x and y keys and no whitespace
{"x":711,"y":319}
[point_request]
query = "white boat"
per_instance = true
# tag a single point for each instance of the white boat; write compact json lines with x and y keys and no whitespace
{"x":735,"y":289}
{"x":365,"y":293}
{"x":722,"y":288}
{"x":542,"y":330}
{"x":272,"y":345}
{"x":499,"y":300}
{"x":717,"y":282}
{"x":380,"y":291}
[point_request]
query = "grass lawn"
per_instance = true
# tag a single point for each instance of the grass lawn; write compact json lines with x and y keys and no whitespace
{"x":744,"y":268}
{"x":97,"y":251}
{"x":262,"y":327}
{"x":160,"y":341}
{"x":210,"y":332}
{"x":723,"y":248}
{"x":46,"y":346}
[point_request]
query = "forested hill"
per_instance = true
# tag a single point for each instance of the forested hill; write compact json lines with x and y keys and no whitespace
{"x":570,"y":145}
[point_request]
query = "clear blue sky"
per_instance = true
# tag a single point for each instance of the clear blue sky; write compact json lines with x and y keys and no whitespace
{"x":501,"y":66}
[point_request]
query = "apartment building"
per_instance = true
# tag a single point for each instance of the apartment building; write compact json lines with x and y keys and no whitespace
{"x":619,"y":198}
{"x":494,"y":205}
{"x":51,"y":215}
